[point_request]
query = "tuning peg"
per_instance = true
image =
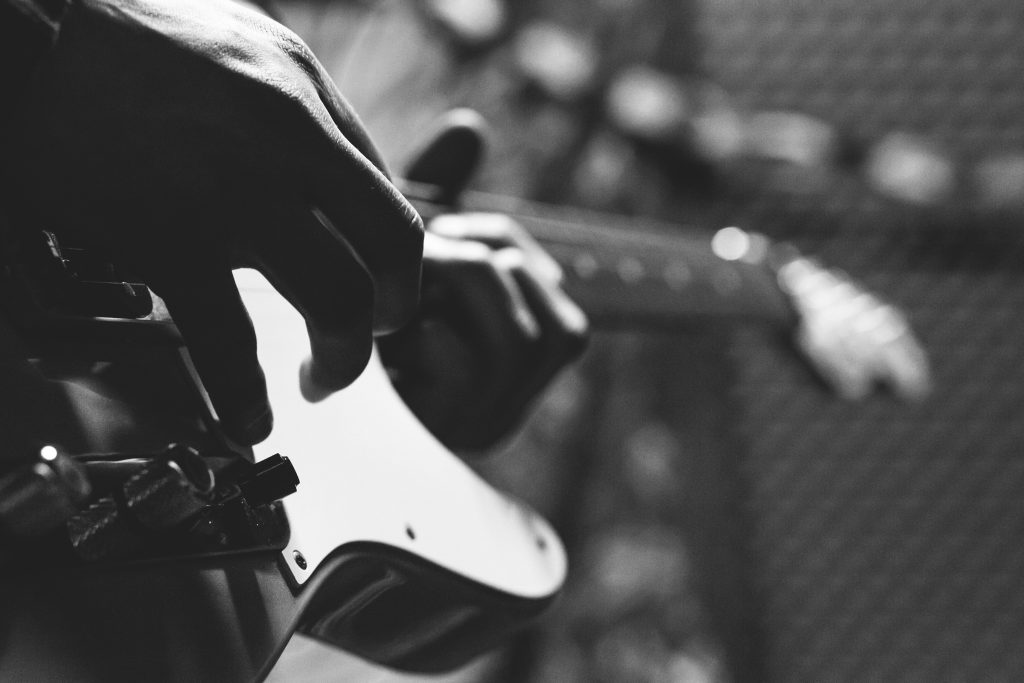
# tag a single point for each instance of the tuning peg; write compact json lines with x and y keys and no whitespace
{"x":851,"y":338}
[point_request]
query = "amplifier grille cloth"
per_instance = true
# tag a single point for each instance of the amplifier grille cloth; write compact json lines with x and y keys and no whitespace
{"x":889,"y":539}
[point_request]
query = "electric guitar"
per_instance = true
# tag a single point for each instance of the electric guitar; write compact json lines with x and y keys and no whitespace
{"x":641,"y":273}
{"x":350,"y":523}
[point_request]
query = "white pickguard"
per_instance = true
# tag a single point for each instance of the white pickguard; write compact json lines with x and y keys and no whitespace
{"x":369,"y":471}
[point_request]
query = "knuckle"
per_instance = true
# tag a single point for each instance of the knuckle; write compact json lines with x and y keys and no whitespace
{"x":517,"y":233}
{"x":501,"y":228}
{"x":294,"y":47}
{"x":502,"y":225}
{"x":451,"y":225}
{"x":462,"y":256}
{"x":510,"y":259}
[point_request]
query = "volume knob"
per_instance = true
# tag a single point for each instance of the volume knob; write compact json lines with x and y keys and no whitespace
{"x":170,"y":489}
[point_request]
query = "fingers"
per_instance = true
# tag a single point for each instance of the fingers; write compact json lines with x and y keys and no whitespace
{"x":322,"y":151}
{"x":308,"y":262}
{"x":345,"y":118}
{"x":213,"y":321}
{"x":499,"y":231}
{"x":530,"y":278}
{"x":455,"y":365}
{"x":451,"y":156}
{"x":379,"y":224}
{"x":500,"y":315}
{"x":450,"y":365}
{"x":345,"y":178}
{"x":528,"y":363}
{"x":435,"y":370}
{"x":564,"y":331}
{"x":477,"y":295}
{"x":472,"y":270}
{"x":563,"y":323}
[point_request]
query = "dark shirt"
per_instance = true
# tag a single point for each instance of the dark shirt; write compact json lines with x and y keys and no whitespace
{"x":27,"y":30}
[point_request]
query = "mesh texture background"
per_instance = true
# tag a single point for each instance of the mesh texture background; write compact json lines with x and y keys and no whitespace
{"x":887,"y":537}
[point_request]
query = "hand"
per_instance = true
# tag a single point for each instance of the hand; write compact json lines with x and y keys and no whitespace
{"x":495,"y":328}
{"x":495,"y":325}
{"x":187,"y":137}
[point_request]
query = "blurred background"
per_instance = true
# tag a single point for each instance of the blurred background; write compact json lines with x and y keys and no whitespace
{"x":727,"y":518}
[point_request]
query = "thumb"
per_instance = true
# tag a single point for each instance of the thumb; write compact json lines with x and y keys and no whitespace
{"x":452,"y":154}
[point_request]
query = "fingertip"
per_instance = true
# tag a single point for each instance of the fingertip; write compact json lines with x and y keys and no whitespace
{"x":318,"y":380}
{"x":577,"y":330}
{"x":309,"y":389}
{"x":209,"y":313}
{"x":253,"y":429}
{"x":260,"y":428}
{"x":561,"y":313}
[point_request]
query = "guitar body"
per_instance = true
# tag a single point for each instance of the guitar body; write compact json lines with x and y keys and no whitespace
{"x":391,"y":548}
{"x":395,"y":551}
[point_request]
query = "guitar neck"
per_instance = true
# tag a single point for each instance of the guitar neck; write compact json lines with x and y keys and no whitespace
{"x":634,"y":272}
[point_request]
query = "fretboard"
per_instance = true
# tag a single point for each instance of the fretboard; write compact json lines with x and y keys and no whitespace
{"x":636,"y":272}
